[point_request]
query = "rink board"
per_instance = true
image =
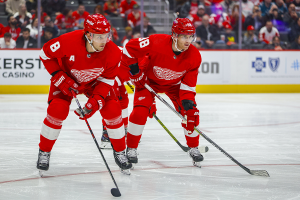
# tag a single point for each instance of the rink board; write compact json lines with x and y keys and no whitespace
{"x":21,"y":72}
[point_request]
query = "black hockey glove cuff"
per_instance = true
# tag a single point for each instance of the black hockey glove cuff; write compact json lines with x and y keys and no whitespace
{"x":134,"y":68}
{"x":188,"y":104}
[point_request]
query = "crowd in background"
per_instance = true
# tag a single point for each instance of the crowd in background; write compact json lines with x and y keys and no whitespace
{"x":216,"y":21}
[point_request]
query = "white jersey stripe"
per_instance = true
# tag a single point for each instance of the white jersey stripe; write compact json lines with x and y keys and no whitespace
{"x":188,"y":88}
{"x":118,"y":81}
{"x":50,"y":133}
{"x":107,"y":81}
{"x":43,"y":55}
{"x":126,"y":52}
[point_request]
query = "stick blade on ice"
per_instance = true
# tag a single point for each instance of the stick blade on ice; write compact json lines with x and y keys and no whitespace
{"x":259,"y":173}
{"x":115,"y":192}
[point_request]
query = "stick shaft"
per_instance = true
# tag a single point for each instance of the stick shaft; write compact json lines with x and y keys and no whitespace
{"x":200,"y":132}
{"x":94,"y":138}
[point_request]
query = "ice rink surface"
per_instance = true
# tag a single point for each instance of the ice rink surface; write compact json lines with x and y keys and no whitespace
{"x":261,"y":131}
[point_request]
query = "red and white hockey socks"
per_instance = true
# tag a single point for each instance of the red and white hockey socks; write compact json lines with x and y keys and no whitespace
{"x":192,"y":140}
{"x":57,"y":112}
{"x":137,"y":121}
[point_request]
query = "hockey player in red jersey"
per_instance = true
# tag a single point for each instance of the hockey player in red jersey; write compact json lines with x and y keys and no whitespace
{"x":170,"y":66}
{"x":85,"y":61}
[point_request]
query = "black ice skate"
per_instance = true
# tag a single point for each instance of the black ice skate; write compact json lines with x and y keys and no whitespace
{"x":132,"y":155}
{"x":196,"y":156}
{"x":43,"y":161}
{"x":122,"y":162}
{"x":105,"y":142}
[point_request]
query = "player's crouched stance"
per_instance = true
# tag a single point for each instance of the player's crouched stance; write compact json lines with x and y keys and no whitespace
{"x":85,"y":61}
{"x":172,"y":68}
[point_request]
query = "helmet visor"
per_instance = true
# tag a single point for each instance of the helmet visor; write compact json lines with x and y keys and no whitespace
{"x":101,"y":38}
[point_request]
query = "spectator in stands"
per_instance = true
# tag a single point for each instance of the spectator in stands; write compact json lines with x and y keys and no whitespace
{"x":50,"y":26}
{"x":183,"y":8}
{"x":234,"y":18}
{"x":25,"y":41}
{"x":12,"y":27}
{"x":229,"y":34}
{"x":275,"y":44}
{"x":147,"y":27}
{"x":247,"y":7}
{"x":134,"y":18}
{"x":250,"y":37}
{"x":1,"y":30}
{"x":266,"y":6}
{"x":23,"y":17}
{"x":43,"y":15}
{"x":295,"y":30}
{"x":111,"y":8}
{"x":33,"y":27}
{"x":12,"y":6}
{"x":255,"y":19}
{"x":268,"y":32}
{"x":277,"y":20}
{"x":207,"y":33}
{"x":227,"y":6}
{"x":99,"y":10}
{"x":7,"y":42}
{"x":194,"y":7}
{"x":65,"y":20}
{"x":197,"y":43}
{"x":282,"y":9}
{"x":197,"y":18}
{"x":291,"y":16}
{"x":296,"y":43}
{"x":54,"y":6}
{"x":136,"y":35}
{"x":48,"y":35}
{"x":126,"y":7}
{"x":297,"y":5}
{"x":79,"y":15}
{"x":128,"y":35}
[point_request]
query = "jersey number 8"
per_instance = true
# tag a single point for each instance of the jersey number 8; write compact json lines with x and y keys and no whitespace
{"x":144,"y":42}
{"x":55,"y":46}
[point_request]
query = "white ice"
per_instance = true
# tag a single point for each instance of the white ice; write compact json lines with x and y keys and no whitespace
{"x":261,"y":131}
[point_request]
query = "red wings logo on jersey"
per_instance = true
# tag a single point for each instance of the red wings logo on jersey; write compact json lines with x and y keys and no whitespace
{"x":166,"y":74}
{"x":87,"y":74}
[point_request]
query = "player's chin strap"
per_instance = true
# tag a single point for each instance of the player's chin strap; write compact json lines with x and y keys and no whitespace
{"x":90,"y":42}
{"x":175,"y":41}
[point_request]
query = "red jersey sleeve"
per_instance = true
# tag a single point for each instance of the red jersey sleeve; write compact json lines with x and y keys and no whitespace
{"x":134,"y":49}
{"x":189,"y":80}
{"x":50,"y":53}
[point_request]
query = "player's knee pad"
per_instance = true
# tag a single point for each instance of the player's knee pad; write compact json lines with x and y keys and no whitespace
{"x":57,"y":112}
{"x":112,"y":114}
{"x":139,"y":115}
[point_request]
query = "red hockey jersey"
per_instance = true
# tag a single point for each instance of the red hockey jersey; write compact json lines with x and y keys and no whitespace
{"x":68,"y":53}
{"x":165,"y":68}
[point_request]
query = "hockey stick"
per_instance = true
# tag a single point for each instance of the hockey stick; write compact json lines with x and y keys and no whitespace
{"x":203,"y":149}
{"x":114,"y":191}
{"x":252,"y":172}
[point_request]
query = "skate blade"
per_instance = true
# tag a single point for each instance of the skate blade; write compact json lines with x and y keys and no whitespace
{"x":125,"y":171}
{"x":203,"y":149}
{"x":133,"y":165}
{"x":196,"y":164}
{"x":41,"y":173}
{"x":105,"y":145}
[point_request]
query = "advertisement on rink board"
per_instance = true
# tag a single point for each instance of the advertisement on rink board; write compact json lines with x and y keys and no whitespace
{"x":19,"y":67}
{"x":274,"y":68}
{"x":23,"y":67}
